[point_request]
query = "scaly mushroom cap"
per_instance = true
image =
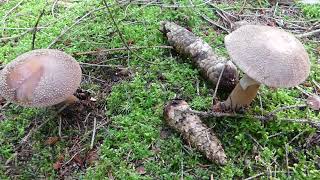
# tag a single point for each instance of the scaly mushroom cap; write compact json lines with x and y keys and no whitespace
{"x":268,"y":55}
{"x":40,"y":78}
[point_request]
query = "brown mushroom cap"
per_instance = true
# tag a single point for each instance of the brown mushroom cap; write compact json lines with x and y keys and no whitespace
{"x":268,"y":55}
{"x":40,"y":78}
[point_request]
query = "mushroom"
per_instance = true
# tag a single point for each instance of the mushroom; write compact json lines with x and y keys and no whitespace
{"x":41,"y":78}
{"x":267,"y":55}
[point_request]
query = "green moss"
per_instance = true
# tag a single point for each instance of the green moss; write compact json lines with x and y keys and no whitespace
{"x":138,"y":135}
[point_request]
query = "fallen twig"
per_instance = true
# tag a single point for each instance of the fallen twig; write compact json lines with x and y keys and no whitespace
{"x":308,"y":34}
{"x":120,"y":34}
{"x":103,"y":65}
{"x":15,"y":37}
{"x":71,"y":26}
{"x":73,"y":157}
{"x":8,"y":13}
{"x":53,"y":6}
{"x":214,"y":23}
{"x":93,"y":132}
{"x":35,"y":28}
{"x":119,"y":49}
{"x":271,"y":116}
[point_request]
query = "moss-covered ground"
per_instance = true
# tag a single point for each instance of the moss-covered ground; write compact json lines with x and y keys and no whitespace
{"x":132,"y":140}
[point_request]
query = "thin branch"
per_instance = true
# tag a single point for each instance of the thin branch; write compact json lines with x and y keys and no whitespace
{"x":120,"y":49}
{"x":14,"y":37}
{"x":102,"y":65}
{"x":218,"y":82}
{"x":35,"y":28}
{"x":312,"y":122}
{"x":17,"y":28}
{"x":274,"y":112}
{"x":308,"y":34}
{"x":75,"y":23}
{"x":53,"y":6}
{"x":60,"y":124}
{"x":120,"y":34}
{"x":170,"y":5}
{"x":214,"y":23}
{"x":93,"y":132}
{"x":8,"y":13}
{"x":73,"y":157}
{"x":97,"y":128}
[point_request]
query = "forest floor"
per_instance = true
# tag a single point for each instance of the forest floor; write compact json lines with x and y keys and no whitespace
{"x":129,"y":73}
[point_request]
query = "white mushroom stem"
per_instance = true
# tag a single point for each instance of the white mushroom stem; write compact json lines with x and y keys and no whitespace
{"x":70,"y":100}
{"x":243,"y":94}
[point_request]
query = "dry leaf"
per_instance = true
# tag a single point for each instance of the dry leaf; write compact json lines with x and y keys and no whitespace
{"x":57,"y":165}
{"x":77,"y":159}
{"x":313,"y":102}
{"x":52,"y":140}
{"x":92,"y":157}
{"x":140,"y":170}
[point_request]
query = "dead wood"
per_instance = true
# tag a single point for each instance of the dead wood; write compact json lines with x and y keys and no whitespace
{"x":202,"y":55}
{"x":178,"y":116}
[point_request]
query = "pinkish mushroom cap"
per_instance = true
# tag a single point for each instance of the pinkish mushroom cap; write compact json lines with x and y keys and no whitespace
{"x":269,"y":55}
{"x":40,"y":78}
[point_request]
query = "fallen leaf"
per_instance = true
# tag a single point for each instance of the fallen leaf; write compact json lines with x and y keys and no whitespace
{"x":92,"y":157}
{"x":52,"y":140}
{"x":130,"y":42}
{"x":77,"y":159}
{"x":307,"y":84}
{"x":60,"y":158}
{"x":57,"y":165}
{"x":313,"y":102}
{"x":140,"y":170}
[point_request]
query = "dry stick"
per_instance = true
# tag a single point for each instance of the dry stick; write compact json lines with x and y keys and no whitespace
{"x":102,"y":65}
{"x":308,"y":34}
{"x":120,"y":34}
{"x":217,"y":86}
{"x":93,"y":132}
{"x":242,"y":7}
{"x":120,"y":49}
{"x":8,"y":13}
{"x":35,"y":28}
{"x":17,"y":28}
{"x":214,"y":23}
{"x":53,"y":6}
{"x":97,"y":79}
{"x":313,"y":123}
{"x":172,"y":6}
{"x":60,"y":124}
{"x":75,"y":23}
{"x":255,"y":176}
{"x":287,"y":158}
{"x":90,"y":132}
{"x":273,"y":113}
{"x":34,"y":129}
{"x":73,"y":157}
{"x":15,"y":37}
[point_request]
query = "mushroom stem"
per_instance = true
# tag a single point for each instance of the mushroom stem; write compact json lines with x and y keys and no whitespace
{"x":70,"y":100}
{"x":242,"y":95}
